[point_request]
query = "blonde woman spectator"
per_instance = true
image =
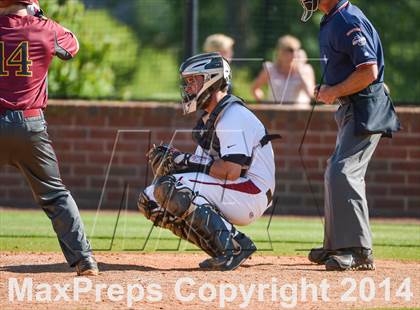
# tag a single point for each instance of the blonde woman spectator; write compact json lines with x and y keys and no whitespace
{"x":290,"y":78}
{"x":220,"y":43}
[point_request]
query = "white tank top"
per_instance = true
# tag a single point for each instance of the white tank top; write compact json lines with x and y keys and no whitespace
{"x":284,"y":88}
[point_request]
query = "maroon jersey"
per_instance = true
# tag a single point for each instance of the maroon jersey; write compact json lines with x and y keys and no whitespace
{"x":27,"y":47}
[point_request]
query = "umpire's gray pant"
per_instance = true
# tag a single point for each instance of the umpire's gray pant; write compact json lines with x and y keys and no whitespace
{"x":346,"y":209}
{"x":24,"y":144}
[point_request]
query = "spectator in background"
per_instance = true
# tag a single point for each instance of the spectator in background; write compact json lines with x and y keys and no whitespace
{"x":223,"y":45}
{"x":290,"y":78}
{"x":219,"y":43}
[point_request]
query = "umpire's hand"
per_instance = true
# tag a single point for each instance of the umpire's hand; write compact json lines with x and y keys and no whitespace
{"x":325,"y":94}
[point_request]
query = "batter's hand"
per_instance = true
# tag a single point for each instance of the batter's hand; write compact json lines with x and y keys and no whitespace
{"x":325,"y":94}
{"x":35,"y":10}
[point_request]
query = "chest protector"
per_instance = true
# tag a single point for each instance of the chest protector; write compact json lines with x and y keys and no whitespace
{"x":204,"y":133}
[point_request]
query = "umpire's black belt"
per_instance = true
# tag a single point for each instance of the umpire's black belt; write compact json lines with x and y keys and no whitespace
{"x":269,"y":195}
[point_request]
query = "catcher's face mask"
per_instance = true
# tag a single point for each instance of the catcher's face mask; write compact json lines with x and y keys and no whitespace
{"x":309,"y":8}
{"x":191,"y":86}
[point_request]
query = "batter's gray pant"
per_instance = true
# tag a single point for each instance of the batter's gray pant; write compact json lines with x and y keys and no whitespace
{"x":346,"y":209}
{"x":24,"y":144}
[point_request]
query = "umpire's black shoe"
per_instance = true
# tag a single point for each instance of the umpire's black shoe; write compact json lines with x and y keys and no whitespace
{"x":351,"y":259}
{"x":320,"y":255}
{"x":87,"y":267}
{"x":230,"y":262}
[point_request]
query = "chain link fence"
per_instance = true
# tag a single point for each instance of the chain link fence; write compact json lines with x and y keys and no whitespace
{"x":131,"y":50}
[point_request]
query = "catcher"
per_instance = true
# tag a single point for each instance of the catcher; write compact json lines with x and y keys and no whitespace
{"x":229,"y":180}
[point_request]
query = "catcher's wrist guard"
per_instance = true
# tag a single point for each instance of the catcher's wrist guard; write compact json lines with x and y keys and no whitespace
{"x":186,"y":162}
{"x":165,"y":160}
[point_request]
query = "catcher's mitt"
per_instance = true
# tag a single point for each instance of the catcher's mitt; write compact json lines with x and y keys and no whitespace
{"x":161,"y":159}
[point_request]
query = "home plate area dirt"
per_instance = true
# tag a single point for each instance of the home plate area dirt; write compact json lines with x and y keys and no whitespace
{"x":166,"y":281}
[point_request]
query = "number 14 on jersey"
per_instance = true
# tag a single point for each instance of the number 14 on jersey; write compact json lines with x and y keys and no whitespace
{"x":18,"y":58}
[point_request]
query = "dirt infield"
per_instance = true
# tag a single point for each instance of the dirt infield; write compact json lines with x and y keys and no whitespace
{"x":124,"y":276}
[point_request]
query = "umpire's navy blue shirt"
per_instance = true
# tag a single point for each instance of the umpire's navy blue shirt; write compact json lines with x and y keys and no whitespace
{"x":348,"y":40}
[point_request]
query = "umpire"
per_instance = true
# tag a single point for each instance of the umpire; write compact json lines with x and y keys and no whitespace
{"x":28,"y":44}
{"x":353,"y":64}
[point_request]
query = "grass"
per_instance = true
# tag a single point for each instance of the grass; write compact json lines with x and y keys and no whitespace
{"x":30,"y":230}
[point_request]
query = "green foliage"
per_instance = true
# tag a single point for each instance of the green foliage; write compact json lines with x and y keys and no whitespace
{"x":156,"y":76}
{"x":108,"y":53}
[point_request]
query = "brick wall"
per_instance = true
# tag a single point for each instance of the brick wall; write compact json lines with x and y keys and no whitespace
{"x":89,"y":148}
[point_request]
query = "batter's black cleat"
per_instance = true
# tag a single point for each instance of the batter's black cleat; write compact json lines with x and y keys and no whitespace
{"x":351,"y":259}
{"x":87,"y":267}
{"x":320,"y":255}
{"x":245,"y":248}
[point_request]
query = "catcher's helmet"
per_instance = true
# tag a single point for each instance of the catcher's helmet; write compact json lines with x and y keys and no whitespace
{"x":309,"y":8}
{"x":215,"y":74}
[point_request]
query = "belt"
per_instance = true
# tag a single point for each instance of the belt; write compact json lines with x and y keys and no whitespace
{"x":25,"y":113}
{"x":344,"y":100}
{"x":370,"y":89}
{"x":269,"y":195}
{"x":32,"y":113}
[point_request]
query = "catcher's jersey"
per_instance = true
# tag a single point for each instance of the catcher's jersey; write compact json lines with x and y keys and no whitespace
{"x":27,"y":47}
{"x":239,"y":132}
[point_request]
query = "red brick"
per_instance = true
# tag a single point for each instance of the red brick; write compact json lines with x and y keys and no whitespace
{"x":391,"y":152}
{"x":311,"y":139}
{"x":414,"y":204}
{"x":21,"y":192}
{"x":389,"y":178}
{"x":103,"y":133}
{"x":405,"y":166}
{"x":321,"y":125}
{"x":389,"y":203}
{"x":61,"y":145}
{"x":375,"y":190}
{"x":318,"y":151}
{"x":137,"y":136}
{"x":126,"y":147}
{"x":75,"y":133}
{"x":378,"y":165}
{"x":139,"y":159}
{"x":91,"y":121}
{"x":88,"y":170}
{"x":405,"y":190}
{"x":57,"y":120}
{"x":72,"y":157}
{"x":316,"y":176}
{"x":122,"y":171}
{"x":89,"y":146}
{"x":414,"y":126}
{"x":65,"y":169}
{"x":328,"y":139}
{"x":414,"y":154}
{"x":406,"y":140}
{"x":98,"y":182}
{"x":75,"y":181}
{"x":414,"y":179}
{"x":297,"y":164}
{"x":124,"y":122}
{"x":291,"y":175}
{"x":8,"y":180}
{"x":302,"y":188}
